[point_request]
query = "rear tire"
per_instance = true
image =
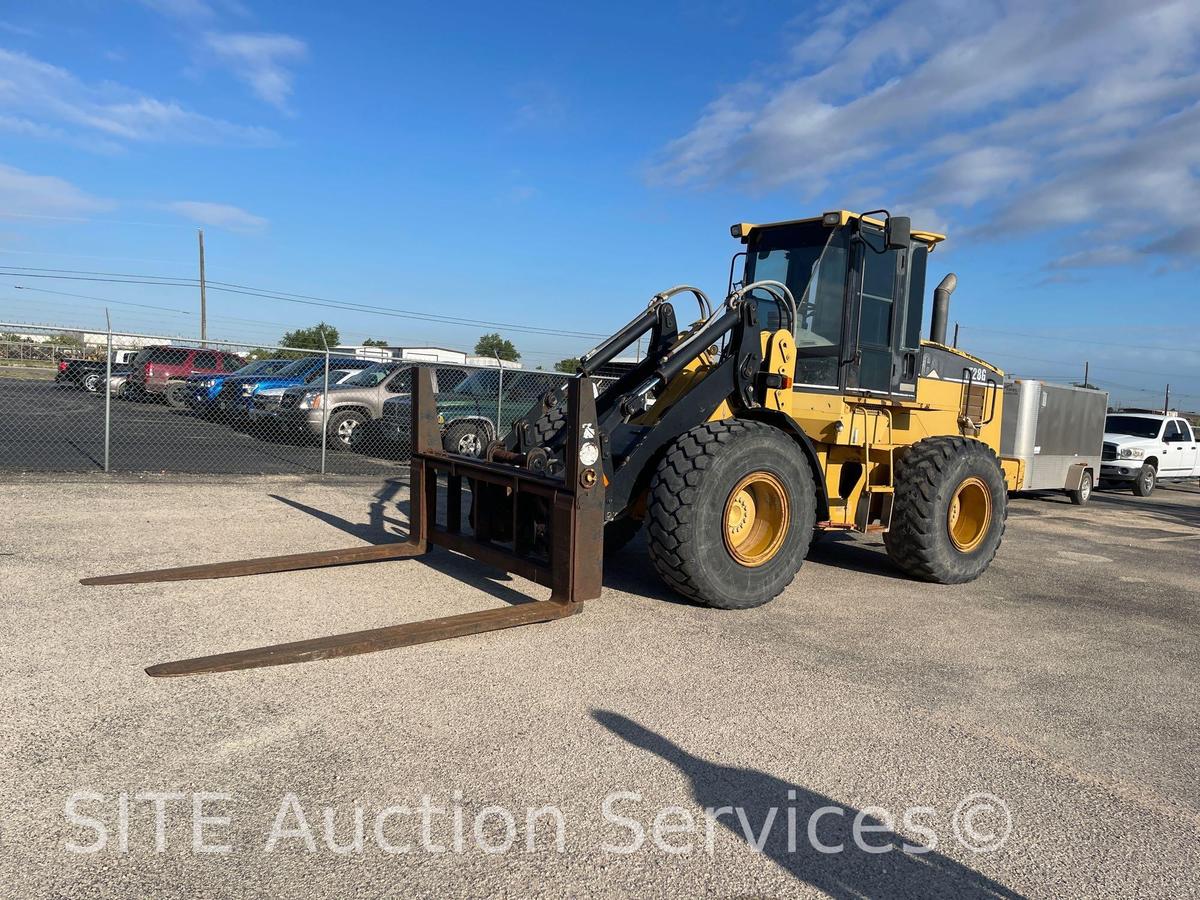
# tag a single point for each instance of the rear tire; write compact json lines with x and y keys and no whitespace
{"x":731,"y":513}
{"x":1146,"y":481}
{"x":1083,"y":493}
{"x":91,"y":382}
{"x":949,"y":510}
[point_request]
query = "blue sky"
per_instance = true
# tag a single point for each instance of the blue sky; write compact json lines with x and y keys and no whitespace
{"x":555,"y":164}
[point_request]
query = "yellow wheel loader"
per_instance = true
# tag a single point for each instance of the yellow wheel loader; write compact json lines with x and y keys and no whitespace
{"x":807,"y":401}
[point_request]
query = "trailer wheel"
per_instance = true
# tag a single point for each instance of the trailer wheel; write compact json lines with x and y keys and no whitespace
{"x":949,"y":510}
{"x":1144,"y":484}
{"x":731,"y":513}
{"x":1083,"y":493}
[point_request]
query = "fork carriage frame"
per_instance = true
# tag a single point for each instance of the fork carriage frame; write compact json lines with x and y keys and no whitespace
{"x":557,"y":528}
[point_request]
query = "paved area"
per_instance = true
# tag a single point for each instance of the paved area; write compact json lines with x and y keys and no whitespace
{"x":1064,"y":682}
{"x":46,"y":427}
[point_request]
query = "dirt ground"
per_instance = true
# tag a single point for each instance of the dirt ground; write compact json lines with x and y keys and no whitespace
{"x":1033,"y":733}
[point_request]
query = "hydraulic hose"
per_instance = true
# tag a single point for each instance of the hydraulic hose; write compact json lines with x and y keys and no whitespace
{"x":606,"y":351}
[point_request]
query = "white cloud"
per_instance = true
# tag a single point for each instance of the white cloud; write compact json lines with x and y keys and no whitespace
{"x":36,"y":95}
{"x":1022,"y":114}
{"x":23,"y":194}
{"x":219,"y":215}
{"x":260,"y":60}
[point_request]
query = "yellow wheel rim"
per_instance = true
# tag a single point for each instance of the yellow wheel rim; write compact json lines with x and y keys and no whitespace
{"x":970,"y":514}
{"x":757,"y":515}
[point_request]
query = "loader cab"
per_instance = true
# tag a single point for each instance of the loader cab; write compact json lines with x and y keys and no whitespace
{"x":859,"y":290}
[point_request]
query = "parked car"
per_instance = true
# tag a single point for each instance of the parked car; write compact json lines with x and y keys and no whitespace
{"x":469,"y":413}
{"x":267,"y":406}
{"x":236,"y":396}
{"x":89,"y":373}
{"x":202,"y":390}
{"x":1142,"y":449}
{"x":161,"y":372}
{"x":356,"y":402}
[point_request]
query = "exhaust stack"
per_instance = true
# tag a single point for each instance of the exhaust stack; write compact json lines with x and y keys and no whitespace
{"x":941,"y":308}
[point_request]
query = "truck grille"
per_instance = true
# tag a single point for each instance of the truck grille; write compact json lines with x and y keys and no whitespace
{"x":289,"y":401}
{"x":266,"y":402}
{"x":1108,"y":452}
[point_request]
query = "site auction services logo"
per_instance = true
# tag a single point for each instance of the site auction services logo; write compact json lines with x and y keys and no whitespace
{"x":208,"y":822}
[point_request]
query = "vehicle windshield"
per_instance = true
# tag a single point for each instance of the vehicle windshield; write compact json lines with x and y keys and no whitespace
{"x":294,"y":369}
{"x":483,"y":382}
{"x":263,"y":367}
{"x":1134,"y":426}
{"x":370,"y":377}
{"x":794,"y":255}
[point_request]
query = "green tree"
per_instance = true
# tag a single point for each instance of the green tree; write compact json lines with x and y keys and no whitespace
{"x":375,"y":342}
{"x":494,"y":345}
{"x":570,"y":365}
{"x":309,"y":339}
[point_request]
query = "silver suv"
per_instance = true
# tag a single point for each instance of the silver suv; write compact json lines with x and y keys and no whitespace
{"x":354,"y":402}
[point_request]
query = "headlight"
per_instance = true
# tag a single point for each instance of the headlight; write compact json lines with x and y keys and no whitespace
{"x":310,"y":401}
{"x":247,"y":390}
{"x":208,"y":383}
{"x":1131,"y":453}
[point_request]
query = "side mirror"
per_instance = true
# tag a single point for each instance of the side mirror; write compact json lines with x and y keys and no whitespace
{"x":898,"y":232}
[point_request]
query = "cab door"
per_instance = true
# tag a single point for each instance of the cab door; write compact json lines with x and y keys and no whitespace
{"x":1181,"y":450}
{"x":879,"y":363}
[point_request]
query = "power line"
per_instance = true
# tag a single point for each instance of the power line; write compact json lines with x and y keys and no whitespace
{"x":283,"y":296}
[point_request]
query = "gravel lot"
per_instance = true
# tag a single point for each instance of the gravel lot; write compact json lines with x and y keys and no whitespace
{"x":1064,"y":682}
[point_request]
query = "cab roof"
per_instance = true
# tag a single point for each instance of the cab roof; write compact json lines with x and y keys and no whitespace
{"x":742,"y":229}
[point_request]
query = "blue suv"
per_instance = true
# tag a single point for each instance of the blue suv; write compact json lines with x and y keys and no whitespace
{"x":236,"y":395}
{"x":200,"y":391}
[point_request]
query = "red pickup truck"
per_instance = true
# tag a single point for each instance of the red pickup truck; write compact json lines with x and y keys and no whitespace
{"x":158,"y":372}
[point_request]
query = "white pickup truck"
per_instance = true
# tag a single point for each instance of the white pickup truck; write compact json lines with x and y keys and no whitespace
{"x":1142,"y":449}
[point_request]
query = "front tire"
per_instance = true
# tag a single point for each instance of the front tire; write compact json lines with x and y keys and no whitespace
{"x":176,"y":395}
{"x":731,"y":513}
{"x":467,"y":439}
{"x":949,"y":510}
{"x":1146,"y":481}
{"x":339,"y":434}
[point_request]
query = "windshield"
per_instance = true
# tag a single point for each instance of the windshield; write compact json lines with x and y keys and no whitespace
{"x":294,"y":369}
{"x":262,"y":367}
{"x":1134,"y":426}
{"x":482,"y":382}
{"x":795,"y":256}
{"x":370,"y":377}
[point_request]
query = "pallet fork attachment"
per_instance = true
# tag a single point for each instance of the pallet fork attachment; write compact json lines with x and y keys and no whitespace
{"x":549,"y":530}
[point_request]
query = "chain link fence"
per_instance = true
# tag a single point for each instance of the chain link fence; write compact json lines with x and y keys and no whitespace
{"x":133,"y":403}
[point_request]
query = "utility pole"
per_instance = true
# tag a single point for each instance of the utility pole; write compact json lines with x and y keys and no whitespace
{"x":1167,"y":402}
{"x":955,"y":344}
{"x":1085,"y":374}
{"x":203,"y":305}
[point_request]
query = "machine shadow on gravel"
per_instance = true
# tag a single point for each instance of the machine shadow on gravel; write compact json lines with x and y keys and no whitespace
{"x":380,"y":529}
{"x":849,"y":873}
